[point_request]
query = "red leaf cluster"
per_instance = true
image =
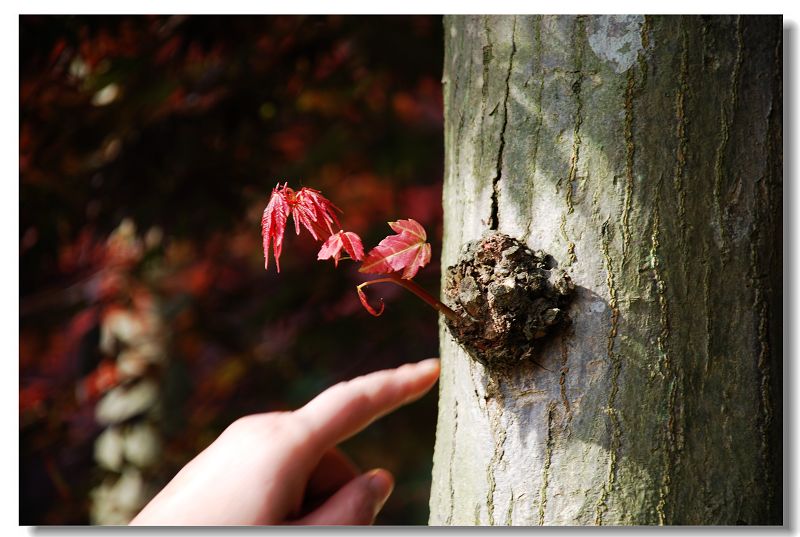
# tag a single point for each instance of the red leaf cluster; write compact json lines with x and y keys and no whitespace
{"x":308,"y":208}
{"x":405,"y":251}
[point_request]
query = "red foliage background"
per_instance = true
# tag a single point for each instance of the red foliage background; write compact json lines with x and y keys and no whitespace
{"x":148,"y":149}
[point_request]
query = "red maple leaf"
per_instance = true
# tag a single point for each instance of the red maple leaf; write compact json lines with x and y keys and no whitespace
{"x":308,"y":208}
{"x":406,"y":251}
{"x":314,"y":211}
{"x":347,"y":240}
{"x":273,"y":224}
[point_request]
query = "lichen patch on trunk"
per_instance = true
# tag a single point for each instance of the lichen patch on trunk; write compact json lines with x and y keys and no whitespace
{"x":509,"y":298}
{"x":616,"y":39}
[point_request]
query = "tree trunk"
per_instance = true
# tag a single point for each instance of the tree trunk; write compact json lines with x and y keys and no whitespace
{"x":645,"y":155}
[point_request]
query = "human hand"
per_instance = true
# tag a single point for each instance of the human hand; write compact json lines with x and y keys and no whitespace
{"x":284,"y":468}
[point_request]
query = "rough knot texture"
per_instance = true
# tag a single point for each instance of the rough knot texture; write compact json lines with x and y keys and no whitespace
{"x":509,"y":298}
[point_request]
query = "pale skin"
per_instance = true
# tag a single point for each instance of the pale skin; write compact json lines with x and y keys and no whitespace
{"x":285,"y":468}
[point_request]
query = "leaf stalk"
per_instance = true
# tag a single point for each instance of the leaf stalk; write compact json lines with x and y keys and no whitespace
{"x":412,"y":286}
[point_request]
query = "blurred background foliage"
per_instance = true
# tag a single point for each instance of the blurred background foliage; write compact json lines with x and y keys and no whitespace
{"x":148,"y":149}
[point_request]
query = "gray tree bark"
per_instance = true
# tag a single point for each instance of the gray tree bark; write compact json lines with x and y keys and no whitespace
{"x":645,"y":155}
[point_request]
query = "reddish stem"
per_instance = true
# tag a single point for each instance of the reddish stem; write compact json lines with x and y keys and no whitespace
{"x":417,"y":290}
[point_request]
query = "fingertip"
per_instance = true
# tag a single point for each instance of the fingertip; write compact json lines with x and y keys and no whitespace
{"x":343,"y":410}
{"x":381,"y":483}
{"x":427,"y":372}
{"x":356,"y":503}
{"x":424,"y":375}
{"x":430,"y":365}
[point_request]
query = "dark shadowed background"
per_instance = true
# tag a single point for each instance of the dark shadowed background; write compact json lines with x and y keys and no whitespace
{"x":148,"y":149}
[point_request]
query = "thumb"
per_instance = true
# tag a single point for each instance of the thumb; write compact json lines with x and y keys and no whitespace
{"x":356,"y":503}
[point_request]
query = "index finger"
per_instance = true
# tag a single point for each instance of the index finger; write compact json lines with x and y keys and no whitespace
{"x":348,"y":407}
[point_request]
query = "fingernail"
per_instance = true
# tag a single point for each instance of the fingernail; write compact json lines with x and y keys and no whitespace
{"x":380,"y":485}
{"x":430,"y":364}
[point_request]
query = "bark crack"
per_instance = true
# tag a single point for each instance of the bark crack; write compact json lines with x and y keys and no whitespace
{"x":487,"y":60}
{"x":616,"y":366}
{"x":487,"y":57}
{"x":726,"y":119}
{"x":680,"y":156}
{"x":510,"y":512}
{"x":707,"y":311}
{"x":662,"y":341}
{"x":764,"y":356}
{"x":642,"y":56}
{"x":449,"y":519}
{"x":494,"y":218}
{"x":563,"y":380}
{"x":499,"y":435}
{"x":571,"y":258}
{"x":672,"y":434}
{"x":578,"y":42}
{"x":548,"y":456}
{"x":674,"y":431}
{"x":629,"y":152}
{"x":539,"y":118}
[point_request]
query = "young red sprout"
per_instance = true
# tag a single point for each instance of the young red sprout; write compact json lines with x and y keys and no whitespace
{"x":347,"y":240}
{"x":308,"y":208}
{"x":406,"y":251}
